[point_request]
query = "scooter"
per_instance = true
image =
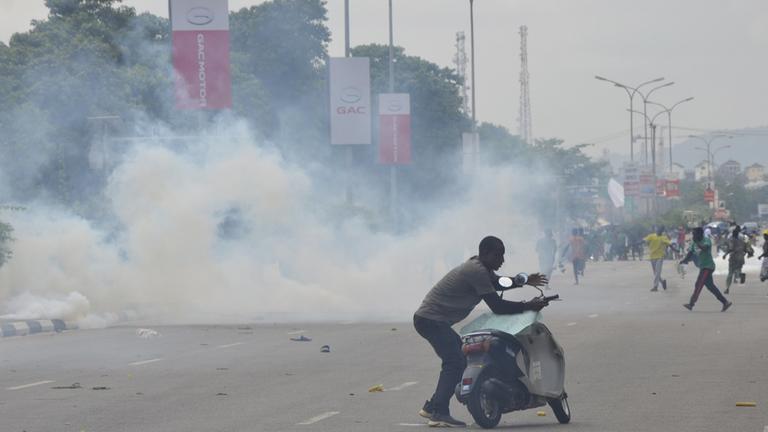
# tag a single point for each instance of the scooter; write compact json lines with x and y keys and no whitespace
{"x":513,"y":364}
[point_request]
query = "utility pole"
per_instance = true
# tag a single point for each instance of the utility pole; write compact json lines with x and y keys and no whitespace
{"x":525,"y":121}
{"x":393,"y":168}
{"x":460,"y":61}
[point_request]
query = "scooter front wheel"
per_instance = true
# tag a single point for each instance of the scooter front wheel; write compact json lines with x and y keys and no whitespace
{"x":485,"y":409}
{"x":561,"y":409}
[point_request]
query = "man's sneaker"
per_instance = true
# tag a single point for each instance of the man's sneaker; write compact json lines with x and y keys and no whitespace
{"x":688,"y":306}
{"x":727,"y":291}
{"x":426,"y":410}
{"x":726,"y":306}
{"x":654,"y":289}
{"x":444,"y":420}
{"x":664,"y":284}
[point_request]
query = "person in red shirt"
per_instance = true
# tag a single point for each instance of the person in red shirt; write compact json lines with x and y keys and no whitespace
{"x":577,"y":249}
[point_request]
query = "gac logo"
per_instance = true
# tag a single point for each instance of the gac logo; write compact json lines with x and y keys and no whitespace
{"x":350,"y":110}
{"x":350,"y":95}
{"x":200,"y":16}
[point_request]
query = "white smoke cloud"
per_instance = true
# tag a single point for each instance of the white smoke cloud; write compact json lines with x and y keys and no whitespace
{"x":227,"y":231}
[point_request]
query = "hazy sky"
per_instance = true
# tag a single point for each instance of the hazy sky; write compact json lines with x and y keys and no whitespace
{"x":714,"y":50}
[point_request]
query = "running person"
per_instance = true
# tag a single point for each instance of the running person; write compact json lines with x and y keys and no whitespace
{"x":701,"y":247}
{"x":737,"y":246}
{"x":657,"y":245}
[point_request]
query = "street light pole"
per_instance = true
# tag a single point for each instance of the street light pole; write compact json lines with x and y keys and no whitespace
{"x":669,"y":123}
{"x":652,"y":122}
{"x":472,"y":52}
{"x":645,"y":112}
{"x":710,"y":157}
{"x":631,"y":94}
{"x":393,"y":168}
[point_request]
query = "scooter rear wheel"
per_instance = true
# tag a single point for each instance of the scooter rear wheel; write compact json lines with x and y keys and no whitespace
{"x":485,"y":409}
{"x":561,"y":409}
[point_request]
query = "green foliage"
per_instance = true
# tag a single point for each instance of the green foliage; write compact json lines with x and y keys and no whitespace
{"x":6,"y":231}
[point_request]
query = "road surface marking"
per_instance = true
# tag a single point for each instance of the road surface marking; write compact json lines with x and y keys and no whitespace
{"x":30,"y":385}
{"x":594,"y":316}
{"x":316,"y":419}
{"x":231,"y":345}
{"x":296,"y":332}
{"x":570,"y":324}
{"x":403,"y":385}
{"x":143,"y":362}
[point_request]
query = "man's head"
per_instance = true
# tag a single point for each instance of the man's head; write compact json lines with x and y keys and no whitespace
{"x":660,"y":230}
{"x":736,"y":231}
{"x":698,"y":234}
{"x":491,"y":252}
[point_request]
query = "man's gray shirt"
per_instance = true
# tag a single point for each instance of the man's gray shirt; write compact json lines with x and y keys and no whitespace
{"x":458,"y":292}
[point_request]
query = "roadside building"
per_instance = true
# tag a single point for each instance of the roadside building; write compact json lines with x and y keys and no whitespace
{"x":729,"y":170}
{"x":702,"y":171}
{"x":755,"y":173}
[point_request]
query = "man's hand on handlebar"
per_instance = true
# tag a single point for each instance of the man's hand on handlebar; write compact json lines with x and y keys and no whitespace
{"x":537,"y":304}
{"x":537,"y":280}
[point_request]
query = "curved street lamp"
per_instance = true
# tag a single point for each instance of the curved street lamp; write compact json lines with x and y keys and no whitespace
{"x":631,"y":91}
{"x":708,"y":141}
{"x":669,"y":122}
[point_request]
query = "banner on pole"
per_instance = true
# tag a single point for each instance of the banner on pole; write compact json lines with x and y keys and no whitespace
{"x":200,"y":34}
{"x":394,"y":128}
{"x":350,"y":97}
{"x":672,"y":190}
{"x":647,"y":185}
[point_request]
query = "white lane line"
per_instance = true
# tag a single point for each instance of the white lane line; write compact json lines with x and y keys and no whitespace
{"x":30,"y":385}
{"x":594,"y":316}
{"x":143,"y":362}
{"x":231,"y":345}
{"x":296,"y":332}
{"x":316,"y":419}
{"x":570,"y":324}
{"x":402,"y":386}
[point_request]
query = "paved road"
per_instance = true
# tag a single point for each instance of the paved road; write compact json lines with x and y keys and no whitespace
{"x":636,"y":361}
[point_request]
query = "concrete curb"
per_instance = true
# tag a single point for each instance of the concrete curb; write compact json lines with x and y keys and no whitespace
{"x":23,"y":328}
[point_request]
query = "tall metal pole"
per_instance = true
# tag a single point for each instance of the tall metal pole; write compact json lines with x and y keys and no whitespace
{"x":348,"y":160}
{"x":393,"y":168}
{"x":472,"y":50}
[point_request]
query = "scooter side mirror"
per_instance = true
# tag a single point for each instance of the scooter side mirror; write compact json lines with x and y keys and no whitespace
{"x":505,"y":281}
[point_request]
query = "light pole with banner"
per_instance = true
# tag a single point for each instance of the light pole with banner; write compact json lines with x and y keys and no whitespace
{"x":710,"y":160}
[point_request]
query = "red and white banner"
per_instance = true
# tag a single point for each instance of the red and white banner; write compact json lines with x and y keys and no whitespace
{"x":395,"y":128}
{"x":201,"y":53}
{"x":350,"y":97}
{"x":672,"y":188}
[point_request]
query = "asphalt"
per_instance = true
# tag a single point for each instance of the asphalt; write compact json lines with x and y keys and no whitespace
{"x":636,"y":361}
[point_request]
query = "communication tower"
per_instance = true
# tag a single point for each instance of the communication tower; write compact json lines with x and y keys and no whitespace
{"x":460,"y":60}
{"x":524,"y":119}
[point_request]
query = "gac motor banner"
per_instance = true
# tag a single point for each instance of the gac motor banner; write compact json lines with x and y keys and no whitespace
{"x":350,"y":97}
{"x":395,"y":128}
{"x":201,"y":53}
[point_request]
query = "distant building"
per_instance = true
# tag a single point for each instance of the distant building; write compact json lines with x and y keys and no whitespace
{"x":755,"y":173}
{"x":729,"y":170}
{"x":702,"y":171}
{"x":677,"y":171}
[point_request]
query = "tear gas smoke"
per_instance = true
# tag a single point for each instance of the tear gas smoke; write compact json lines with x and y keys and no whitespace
{"x":227,"y":231}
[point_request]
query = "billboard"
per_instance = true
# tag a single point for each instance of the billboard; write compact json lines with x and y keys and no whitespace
{"x":672,"y":188}
{"x":395,"y":128}
{"x":200,"y":35}
{"x":631,"y":179}
{"x":647,"y":185}
{"x":350,"y":98}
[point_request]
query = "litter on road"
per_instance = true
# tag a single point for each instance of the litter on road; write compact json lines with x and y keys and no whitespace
{"x":376,"y":388}
{"x":301,"y":338}
{"x":746,"y":404}
{"x":146,"y":333}
{"x":325,"y":349}
{"x":69,"y":387}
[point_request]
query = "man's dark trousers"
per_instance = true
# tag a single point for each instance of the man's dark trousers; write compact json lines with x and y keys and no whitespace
{"x":447,"y":345}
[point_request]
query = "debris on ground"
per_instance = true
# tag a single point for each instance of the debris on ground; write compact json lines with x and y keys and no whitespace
{"x":221,"y":394}
{"x":301,"y":338}
{"x":746,"y":404}
{"x":376,"y":388}
{"x":325,"y":349}
{"x":69,"y":387}
{"x":541,"y":413}
{"x":146,"y":333}
{"x":101,"y":388}
{"x":394,"y":329}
